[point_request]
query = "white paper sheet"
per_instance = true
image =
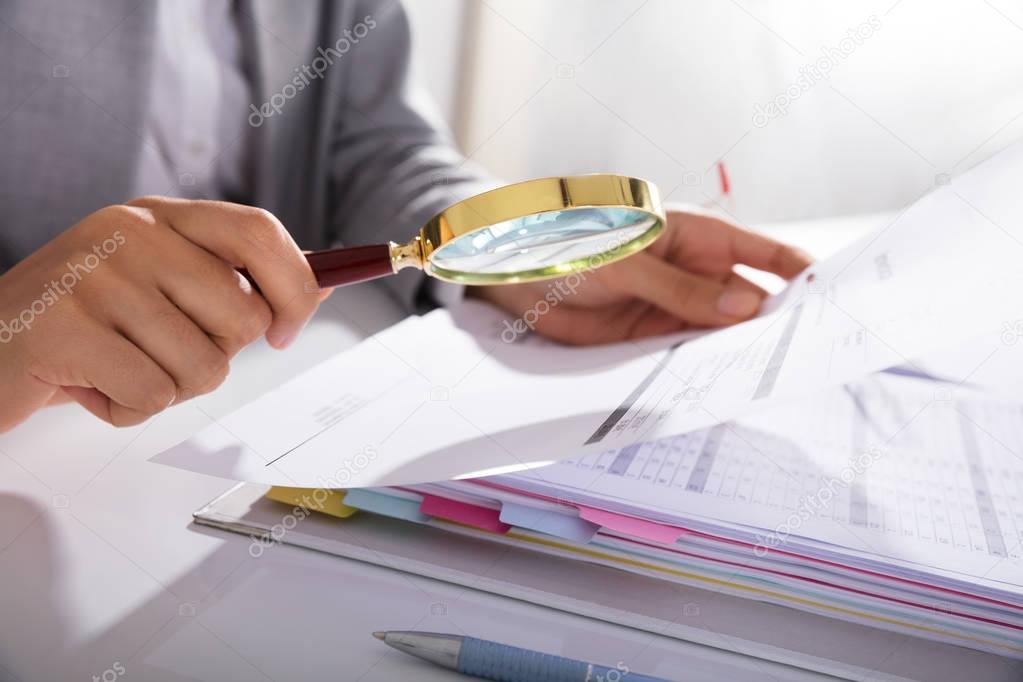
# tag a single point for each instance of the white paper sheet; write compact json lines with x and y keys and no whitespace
{"x":444,"y":396}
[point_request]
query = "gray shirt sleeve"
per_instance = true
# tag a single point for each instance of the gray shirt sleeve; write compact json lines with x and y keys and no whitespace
{"x":393,"y":166}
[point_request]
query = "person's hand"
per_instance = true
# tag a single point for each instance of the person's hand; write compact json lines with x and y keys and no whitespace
{"x":684,"y":279}
{"x":140,"y":306}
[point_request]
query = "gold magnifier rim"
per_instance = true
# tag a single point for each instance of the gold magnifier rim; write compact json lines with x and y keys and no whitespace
{"x":532,"y":197}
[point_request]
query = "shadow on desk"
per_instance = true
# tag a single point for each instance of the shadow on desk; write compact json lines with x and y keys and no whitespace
{"x":38,"y":566}
{"x":288,"y":614}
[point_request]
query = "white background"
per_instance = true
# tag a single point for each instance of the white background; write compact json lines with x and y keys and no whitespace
{"x":664,"y":88}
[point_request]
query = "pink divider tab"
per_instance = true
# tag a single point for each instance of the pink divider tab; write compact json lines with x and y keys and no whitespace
{"x":630,"y":525}
{"x":463,"y":513}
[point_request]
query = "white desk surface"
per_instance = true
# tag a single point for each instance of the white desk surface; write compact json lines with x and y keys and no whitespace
{"x":102,"y":575}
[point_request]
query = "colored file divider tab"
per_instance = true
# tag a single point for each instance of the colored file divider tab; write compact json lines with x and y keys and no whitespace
{"x":330,"y":502}
{"x":386,"y":505}
{"x":464,"y":513}
{"x":559,"y":525}
{"x":631,"y":525}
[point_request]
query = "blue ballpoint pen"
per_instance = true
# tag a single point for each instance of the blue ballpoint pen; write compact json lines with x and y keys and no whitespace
{"x":503,"y":663}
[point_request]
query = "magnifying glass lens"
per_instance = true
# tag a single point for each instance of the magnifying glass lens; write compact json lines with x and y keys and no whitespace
{"x":542,"y":241}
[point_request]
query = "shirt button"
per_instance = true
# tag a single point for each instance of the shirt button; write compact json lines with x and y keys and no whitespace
{"x":197,"y":148}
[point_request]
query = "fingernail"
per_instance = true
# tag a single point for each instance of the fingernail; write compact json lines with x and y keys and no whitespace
{"x":280,"y":340}
{"x":738,"y":303}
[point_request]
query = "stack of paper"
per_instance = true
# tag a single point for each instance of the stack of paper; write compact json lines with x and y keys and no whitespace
{"x":895,"y":502}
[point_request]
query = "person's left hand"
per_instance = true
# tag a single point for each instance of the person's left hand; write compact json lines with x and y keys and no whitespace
{"x":684,"y":279}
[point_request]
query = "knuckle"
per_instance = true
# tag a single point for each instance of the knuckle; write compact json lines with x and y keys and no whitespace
{"x":147,"y":201}
{"x":158,"y":395}
{"x":124,"y":215}
{"x":262,"y":229}
{"x":114,"y":226}
{"x":261,"y":223}
{"x":211,"y":272}
{"x":260,"y":217}
{"x":171,"y":322}
{"x":251,"y":323}
{"x":212,"y":373}
{"x":257,"y":321}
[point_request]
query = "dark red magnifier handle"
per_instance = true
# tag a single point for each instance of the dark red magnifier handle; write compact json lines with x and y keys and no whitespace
{"x":347,"y":265}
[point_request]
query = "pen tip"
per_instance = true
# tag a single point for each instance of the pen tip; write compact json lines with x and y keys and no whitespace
{"x":380,"y":635}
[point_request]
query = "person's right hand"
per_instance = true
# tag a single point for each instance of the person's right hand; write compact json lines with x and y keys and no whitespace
{"x":141,"y":306}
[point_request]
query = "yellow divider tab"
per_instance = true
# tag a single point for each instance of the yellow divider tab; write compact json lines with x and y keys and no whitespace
{"x":314,"y":499}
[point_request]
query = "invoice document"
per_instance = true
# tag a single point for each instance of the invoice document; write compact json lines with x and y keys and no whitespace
{"x":447,"y":396}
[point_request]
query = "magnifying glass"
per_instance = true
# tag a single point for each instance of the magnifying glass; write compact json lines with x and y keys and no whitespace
{"x":533,"y":230}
